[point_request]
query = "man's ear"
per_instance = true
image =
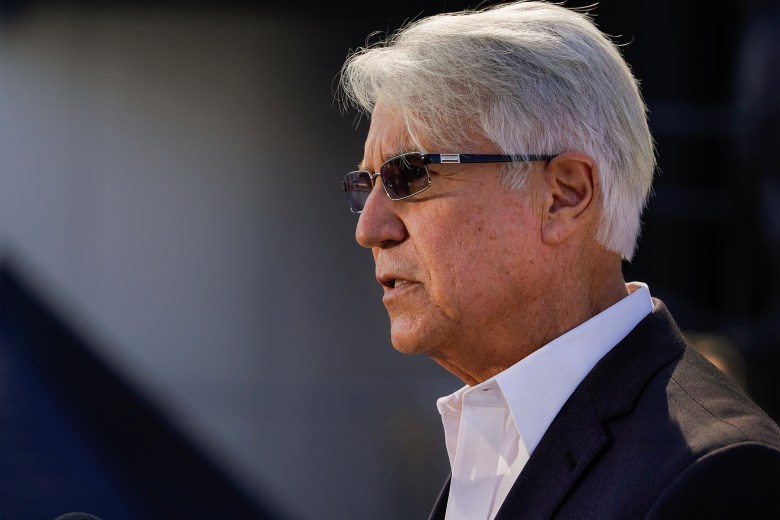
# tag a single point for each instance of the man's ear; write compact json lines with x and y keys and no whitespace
{"x":571,"y":181}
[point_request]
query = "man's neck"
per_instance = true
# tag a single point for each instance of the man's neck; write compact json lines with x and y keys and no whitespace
{"x":587,"y":293}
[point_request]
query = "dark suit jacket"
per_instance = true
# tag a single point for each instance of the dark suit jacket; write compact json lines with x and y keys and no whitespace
{"x":653,"y":431}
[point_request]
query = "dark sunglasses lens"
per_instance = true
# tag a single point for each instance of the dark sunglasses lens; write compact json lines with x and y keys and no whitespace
{"x":405,"y":175}
{"x":358,"y":187}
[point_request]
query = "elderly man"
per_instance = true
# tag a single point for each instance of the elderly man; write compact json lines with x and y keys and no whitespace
{"x":505,"y":170}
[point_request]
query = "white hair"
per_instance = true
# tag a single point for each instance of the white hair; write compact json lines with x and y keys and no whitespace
{"x":531,"y":77}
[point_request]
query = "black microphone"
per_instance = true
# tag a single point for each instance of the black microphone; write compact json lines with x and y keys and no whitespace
{"x":77,"y":516}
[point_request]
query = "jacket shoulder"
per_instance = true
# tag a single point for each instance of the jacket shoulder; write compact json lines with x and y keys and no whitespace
{"x":741,"y":480}
{"x":711,"y":409}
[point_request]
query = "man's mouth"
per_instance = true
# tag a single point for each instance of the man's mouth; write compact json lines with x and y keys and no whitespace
{"x":392,"y":283}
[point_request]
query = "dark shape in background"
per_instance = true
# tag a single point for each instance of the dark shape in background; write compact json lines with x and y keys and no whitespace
{"x":76,"y":437}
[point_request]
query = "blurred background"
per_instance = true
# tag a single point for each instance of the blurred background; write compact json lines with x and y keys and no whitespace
{"x":187,"y":327}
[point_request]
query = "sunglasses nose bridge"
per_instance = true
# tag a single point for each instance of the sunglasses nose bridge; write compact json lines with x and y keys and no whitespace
{"x":373,"y":177}
{"x":385,"y":187}
{"x":383,"y":194}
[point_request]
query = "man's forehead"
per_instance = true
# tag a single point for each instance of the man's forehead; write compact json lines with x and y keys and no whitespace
{"x":387,"y":137}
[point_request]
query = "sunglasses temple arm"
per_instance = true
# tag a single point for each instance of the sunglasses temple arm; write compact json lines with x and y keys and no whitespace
{"x":454,"y":158}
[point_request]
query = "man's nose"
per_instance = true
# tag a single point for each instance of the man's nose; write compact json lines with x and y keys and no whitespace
{"x":379,"y":224}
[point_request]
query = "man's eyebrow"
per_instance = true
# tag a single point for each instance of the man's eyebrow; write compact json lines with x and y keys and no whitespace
{"x":362,"y":164}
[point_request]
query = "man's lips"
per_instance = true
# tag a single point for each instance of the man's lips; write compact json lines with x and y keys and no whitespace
{"x":389,"y":282}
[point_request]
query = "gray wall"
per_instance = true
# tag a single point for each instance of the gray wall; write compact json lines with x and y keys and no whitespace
{"x":170,"y":181}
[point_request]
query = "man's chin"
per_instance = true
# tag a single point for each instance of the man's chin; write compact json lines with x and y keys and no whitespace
{"x":406,"y":341}
{"x":407,"y":347}
{"x":418,"y":333}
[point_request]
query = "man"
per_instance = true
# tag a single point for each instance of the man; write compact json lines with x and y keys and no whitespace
{"x":505,"y":170}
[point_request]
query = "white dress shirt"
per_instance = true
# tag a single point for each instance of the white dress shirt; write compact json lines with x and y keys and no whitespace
{"x":491,"y":429}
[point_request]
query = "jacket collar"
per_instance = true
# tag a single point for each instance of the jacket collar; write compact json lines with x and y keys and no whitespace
{"x":577,"y":435}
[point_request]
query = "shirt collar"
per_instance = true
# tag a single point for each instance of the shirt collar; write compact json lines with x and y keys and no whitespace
{"x":536,"y":387}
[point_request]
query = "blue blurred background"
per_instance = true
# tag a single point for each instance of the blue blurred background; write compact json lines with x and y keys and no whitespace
{"x":187,"y":327}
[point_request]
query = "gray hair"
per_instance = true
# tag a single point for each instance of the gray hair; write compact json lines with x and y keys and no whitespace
{"x":533,"y":78}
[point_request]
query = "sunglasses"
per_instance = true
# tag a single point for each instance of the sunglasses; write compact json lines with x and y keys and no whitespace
{"x":406,"y":175}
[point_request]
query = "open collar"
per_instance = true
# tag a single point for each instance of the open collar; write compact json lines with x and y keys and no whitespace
{"x":577,"y":434}
{"x":537,"y":387}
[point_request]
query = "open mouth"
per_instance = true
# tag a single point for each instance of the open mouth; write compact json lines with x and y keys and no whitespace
{"x":392,"y":283}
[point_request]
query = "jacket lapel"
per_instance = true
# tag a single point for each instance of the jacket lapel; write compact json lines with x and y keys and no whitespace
{"x":567,"y":448}
{"x":577,"y":435}
{"x":564,"y":452}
